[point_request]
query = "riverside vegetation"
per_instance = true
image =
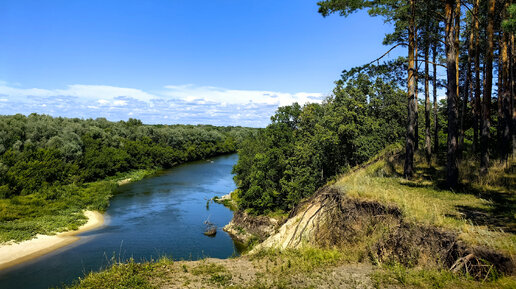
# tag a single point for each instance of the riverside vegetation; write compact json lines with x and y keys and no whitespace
{"x":341,"y":144}
{"x":452,"y":187}
{"x":51,"y":169}
{"x":353,"y":263}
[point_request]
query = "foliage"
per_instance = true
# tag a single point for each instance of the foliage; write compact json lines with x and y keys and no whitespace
{"x":53,"y":168}
{"x":38,"y":151}
{"x":304,"y":146}
{"x":509,"y":24}
{"x":57,"y":208}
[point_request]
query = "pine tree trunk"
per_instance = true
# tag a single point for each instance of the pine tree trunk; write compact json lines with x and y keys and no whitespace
{"x":409,"y":148}
{"x":476,"y":104}
{"x":468,"y":89}
{"x":505,"y":97}
{"x":428,"y":140}
{"x":513,"y":94}
{"x":434,"y":86}
{"x":499,"y":100}
{"x":416,"y":90}
{"x":506,"y":87}
{"x":457,"y":44}
{"x":452,"y":172}
{"x":484,"y":158}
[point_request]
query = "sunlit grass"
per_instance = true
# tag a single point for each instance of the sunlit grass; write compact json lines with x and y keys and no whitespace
{"x":56,"y":209}
{"x":423,"y":202}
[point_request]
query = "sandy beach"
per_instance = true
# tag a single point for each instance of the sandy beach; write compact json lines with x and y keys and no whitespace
{"x":16,"y":253}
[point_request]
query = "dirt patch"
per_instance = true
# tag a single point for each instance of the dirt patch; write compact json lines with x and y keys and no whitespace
{"x":245,"y":227}
{"x":245,"y":272}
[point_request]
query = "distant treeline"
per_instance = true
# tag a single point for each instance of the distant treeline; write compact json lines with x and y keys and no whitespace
{"x":40,"y":151}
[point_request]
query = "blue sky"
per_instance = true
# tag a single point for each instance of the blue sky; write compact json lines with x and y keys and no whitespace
{"x":224,"y":62}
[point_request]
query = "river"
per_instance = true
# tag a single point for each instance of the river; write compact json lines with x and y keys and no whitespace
{"x":158,"y":216}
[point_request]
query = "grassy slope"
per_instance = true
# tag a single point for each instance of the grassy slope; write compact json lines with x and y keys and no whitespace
{"x":58,"y":208}
{"x":302,"y":268}
{"x":482,"y":212}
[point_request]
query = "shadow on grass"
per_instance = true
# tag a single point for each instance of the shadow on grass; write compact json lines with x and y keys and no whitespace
{"x":499,"y":214}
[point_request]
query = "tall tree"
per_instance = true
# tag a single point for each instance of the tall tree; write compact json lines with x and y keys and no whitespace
{"x":394,"y":11}
{"x":428,"y":140}
{"x":476,"y":104}
{"x":513,"y":90}
{"x":488,"y":83}
{"x":452,"y":172}
{"x":434,"y":87}
{"x":506,"y":96}
{"x":416,"y":79}
{"x":468,"y":87}
{"x":408,"y":170}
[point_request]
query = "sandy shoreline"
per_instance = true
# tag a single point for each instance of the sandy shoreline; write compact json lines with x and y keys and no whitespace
{"x":12,"y":254}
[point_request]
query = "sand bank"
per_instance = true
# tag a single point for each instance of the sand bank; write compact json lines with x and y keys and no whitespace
{"x":16,"y":253}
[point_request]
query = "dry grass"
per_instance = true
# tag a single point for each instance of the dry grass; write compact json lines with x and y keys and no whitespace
{"x":481,"y":212}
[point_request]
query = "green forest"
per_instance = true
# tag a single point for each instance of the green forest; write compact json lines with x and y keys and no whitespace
{"x":53,"y":168}
{"x":396,"y":101}
{"x":306,"y":145}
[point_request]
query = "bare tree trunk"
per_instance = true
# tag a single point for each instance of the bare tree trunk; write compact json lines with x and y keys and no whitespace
{"x":452,"y":172}
{"x":499,"y":100}
{"x":504,"y":95}
{"x":434,"y":86}
{"x":476,"y":104}
{"x":410,"y":146}
{"x":457,"y":44}
{"x":428,"y":140}
{"x":484,"y":160}
{"x":416,"y":89}
{"x":506,"y":90}
{"x":468,"y":89}
{"x":513,"y":94}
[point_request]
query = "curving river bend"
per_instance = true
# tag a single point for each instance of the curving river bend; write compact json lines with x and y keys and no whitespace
{"x":158,"y":216}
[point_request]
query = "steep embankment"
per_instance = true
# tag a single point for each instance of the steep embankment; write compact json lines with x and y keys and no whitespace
{"x":372,"y":214}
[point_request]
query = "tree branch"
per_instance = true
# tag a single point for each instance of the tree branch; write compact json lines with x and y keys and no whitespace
{"x":469,"y":9}
{"x":401,"y":43}
{"x":430,"y":62}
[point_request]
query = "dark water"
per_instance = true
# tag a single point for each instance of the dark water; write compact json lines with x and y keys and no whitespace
{"x":158,"y":216}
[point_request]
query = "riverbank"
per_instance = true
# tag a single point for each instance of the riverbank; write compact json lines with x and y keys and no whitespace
{"x":15,"y":253}
{"x":367,"y":229}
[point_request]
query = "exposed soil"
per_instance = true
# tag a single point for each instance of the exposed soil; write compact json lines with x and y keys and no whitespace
{"x":244,"y":227}
{"x":243,"y":272}
{"x":330,"y":219}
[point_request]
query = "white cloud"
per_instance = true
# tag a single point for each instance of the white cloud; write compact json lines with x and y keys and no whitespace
{"x":173,"y":103}
{"x":86,"y":92}
{"x":120,"y":103}
{"x":233,"y":96}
